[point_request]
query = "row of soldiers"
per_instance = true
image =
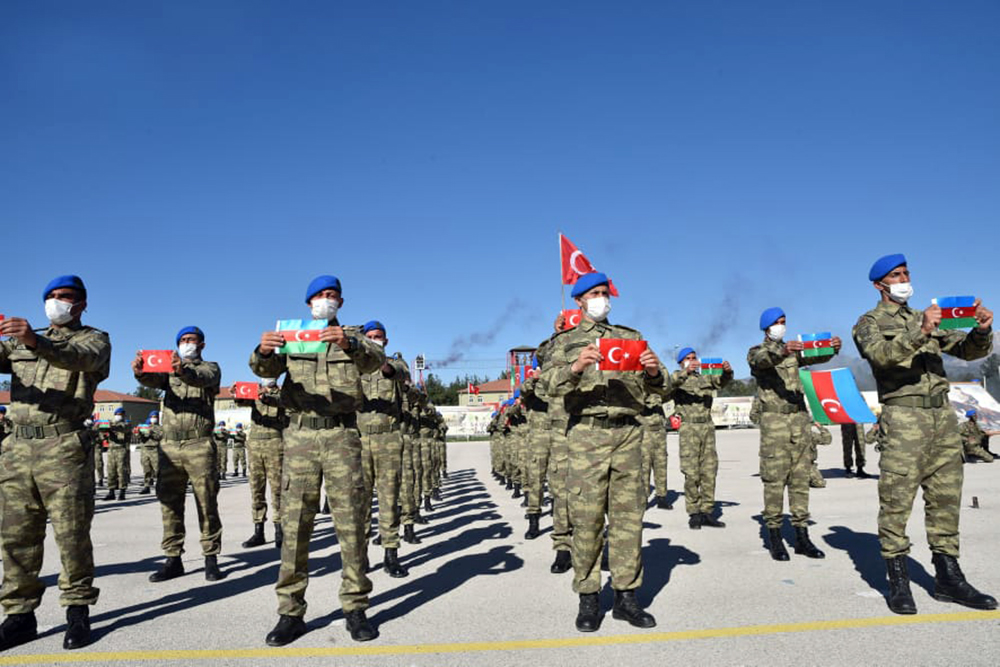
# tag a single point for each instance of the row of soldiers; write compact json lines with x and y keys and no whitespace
{"x":347,"y":418}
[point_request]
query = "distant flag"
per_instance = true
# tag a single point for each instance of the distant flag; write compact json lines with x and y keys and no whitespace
{"x":473,"y":389}
{"x":817,"y":344}
{"x":103,"y":424}
{"x":517,"y":377}
{"x":957,"y":312}
{"x":246,"y":390}
{"x":571,"y":318}
{"x":157,"y":361}
{"x":301,"y":336}
{"x":711,"y":366}
{"x":834,"y":398}
{"x":620,"y":355}
{"x":575,"y":264}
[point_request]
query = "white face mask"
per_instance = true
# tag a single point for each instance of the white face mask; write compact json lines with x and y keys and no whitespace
{"x":324,"y":309}
{"x":776,"y":332}
{"x":380,"y":343}
{"x":188,"y":350}
{"x":58,"y":311}
{"x":87,"y":422}
{"x":688,"y":363}
{"x":598,"y":308}
{"x":154,"y":420}
{"x":900,"y":292}
{"x":119,"y":418}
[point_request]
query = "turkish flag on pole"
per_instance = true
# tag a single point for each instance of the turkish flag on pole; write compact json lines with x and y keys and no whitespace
{"x":620,"y":354}
{"x":246,"y":390}
{"x":157,"y":361}
{"x":575,"y":264}
{"x":473,"y":389}
{"x":571,"y":318}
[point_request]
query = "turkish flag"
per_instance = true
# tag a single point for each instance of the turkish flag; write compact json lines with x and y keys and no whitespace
{"x":571,"y":318}
{"x":620,"y":354}
{"x":246,"y":390}
{"x":157,"y":361}
{"x":301,"y":335}
{"x":473,"y":389}
{"x":575,"y":264}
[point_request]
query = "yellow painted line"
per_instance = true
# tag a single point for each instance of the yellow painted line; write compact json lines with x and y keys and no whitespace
{"x":513,"y":645}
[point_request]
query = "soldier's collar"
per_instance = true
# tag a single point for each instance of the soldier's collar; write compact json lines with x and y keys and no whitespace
{"x":590,"y":325}
{"x":890,"y":307}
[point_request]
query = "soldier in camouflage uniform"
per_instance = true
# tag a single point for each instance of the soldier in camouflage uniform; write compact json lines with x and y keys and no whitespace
{"x":654,"y":449}
{"x":921,"y":447}
{"x":118,"y":455}
{"x":536,"y":410}
{"x":5,"y":425}
{"x":975,"y":441}
{"x":187,"y":451}
{"x":517,"y":443}
{"x":820,"y":437}
{"x":785,"y":442}
{"x":149,"y":451}
{"x":409,"y":492}
{"x":380,"y":421}
{"x":322,"y":394}
{"x":693,"y":395}
{"x":220,"y":438}
{"x":239,"y":451}
{"x":265,"y":450}
{"x":427,"y":424}
{"x":98,"y":439}
{"x":605,"y":453}
{"x":853,"y":440}
{"x":46,"y":471}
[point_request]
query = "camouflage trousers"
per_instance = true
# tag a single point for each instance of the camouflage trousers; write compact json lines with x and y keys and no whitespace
{"x":426,"y":465}
{"x":118,"y":467}
{"x":182,"y":461}
{"x":558,"y":469}
{"x":920,"y":449}
{"x":494,"y":454}
{"x":854,"y":451}
{"x":816,"y":480}
{"x":408,"y":496}
{"x":222,"y":462}
{"x":382,"y":465}
{"x":654,"y":459}
{"x":314,"y":458}
{"x":149,"y":458}
{"x":979,"y":450}
{"x":604,"y":479}
{"x":46,"y":479}
{"x":239,"y":459}
{"x":700,"y":465}
{"x":99,"y":461}
{"x":785,"y":462}
{"x":440,"y":461}
{"x":517,"y":455}
{"x":418,"y":469}
{"x":540,"y":448}
{"x":264,"y":456}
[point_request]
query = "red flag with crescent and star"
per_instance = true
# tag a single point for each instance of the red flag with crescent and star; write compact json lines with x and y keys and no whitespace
{"x":571,"y":318}
{"x":576,"y":264}
{"x":157,"y":361}
{"x":246,"y":390}
{"x":473,"y":389}
{"x":620,"y":355}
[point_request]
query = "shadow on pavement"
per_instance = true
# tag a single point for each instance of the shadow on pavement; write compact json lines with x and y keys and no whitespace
{"x":865,"y":553}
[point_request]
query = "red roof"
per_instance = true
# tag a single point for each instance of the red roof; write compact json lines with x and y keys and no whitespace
{"x":493,"y":386}
{"x":100,"y":396}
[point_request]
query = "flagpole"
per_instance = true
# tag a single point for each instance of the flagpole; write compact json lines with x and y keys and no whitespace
{"x":562,"y":286}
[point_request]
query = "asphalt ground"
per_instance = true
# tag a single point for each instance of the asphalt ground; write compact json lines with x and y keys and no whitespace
{"x":478,"y":593}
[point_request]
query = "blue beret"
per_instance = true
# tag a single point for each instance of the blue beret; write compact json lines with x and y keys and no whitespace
{"x":221,"y":423}
{"x":64,"y":281}
{"x":883,"y":265}
{"x":239,"y":425}
{"x":190,"y":330}
{"x":587,"y":282}
{"x":321,"y":283}
{"x":968,"y":413}
{"x":120,"y":411}
{"x":3,"y":408}
{"x":154,"y":413}
{"x":373,"y":325}
{"x":683,"y":353}
{"x":517,"y":393}
{"x":770,"y":316}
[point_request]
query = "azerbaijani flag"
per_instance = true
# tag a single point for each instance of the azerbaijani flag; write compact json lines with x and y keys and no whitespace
{"x":834,"y":397}
{"x":301,"y":336}
{"x":957,"y":312}
{"x":817,"y":344}
{"x":711,"y":366}
{"x":103,"y":424}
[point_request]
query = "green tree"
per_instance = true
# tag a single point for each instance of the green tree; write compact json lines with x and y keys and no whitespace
{"x":747,"y":387}
{"x":5,"y":385}
{"x":152,"y":394}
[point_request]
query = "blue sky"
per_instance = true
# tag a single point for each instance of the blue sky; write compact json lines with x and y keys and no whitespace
{"x":199,"y":163}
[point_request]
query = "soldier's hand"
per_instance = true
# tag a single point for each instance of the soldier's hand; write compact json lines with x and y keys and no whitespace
{"x":793,"y":346}
{"x":650,"y":362}
{"x":588,"y":355}
{"x":175,"y":361}
{"x":19,"y":329}
{"x":270,"y":341}
{"x":836,"y":343}
{"x":932,"y":318}
{"x":336,"y":336}
{"x":727,"y":367}
{"x":984,"y":316}
{"x":558,"y":324}
{"x":137,"y":362}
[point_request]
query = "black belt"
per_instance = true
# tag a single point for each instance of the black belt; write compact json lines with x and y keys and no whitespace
{"x":603,"y":422}
{"x":783,"y":409}
{"x":695,"y":420}
{"x":41,"y":432}
{"x":936,"y":401}
{"x":376,"y":429}
{"x":271,"y":422}
{"x":349,"y":420}
{"x":178,"y":434}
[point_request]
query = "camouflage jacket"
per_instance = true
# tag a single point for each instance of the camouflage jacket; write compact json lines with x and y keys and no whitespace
{"x":820,"y":435}
{"x":239,"y":438}
{"x":120,"y":434}
{"x":322,"y":384}
{"x":188,"y":398}
{"x":904,"y":360}
{"x":383,"y":394}
{"x":266,"y":415}
{"x":55,"y":382}
{"x":693,"y":393}
{"x":151,"y":438}
{"x":971,"y":434}
{"x":779,"y":388}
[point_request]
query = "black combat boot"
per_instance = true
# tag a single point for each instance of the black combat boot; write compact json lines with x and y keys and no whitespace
{"x":950,"y":585}
{"x":510,"y":484}
{"x":77,"y":627}
{"x":410,"y":535}
{"x":710,"y":521}
{"x":804,"y":546}
{"x":172,"y":567}
{"x":663,"y":503}
{"x":694,"y":521}
{"x":419,"y":518}
{"x":517,"y":491}
{"x":848,"y":472}
{"x":862,"y":474}
{"x":562,"y":563}
{"x":257,"y":538}
{"x":279,"y":535}
{"x":378,"y":540}
{"x":777,"y":546}
{"x":627,"y":609}
{"x":326,"y":506}
{"x":391,"y":564}
{"x":427,"y":504}
{"x":533,"y":530}
{"x":111,"y":495}
{"x":100,"y":482}
{"x":900,"y":598}
{"x":144,"y":491}
{"x":18,"y":629}
{"x":436,"y":494}
{"x":359,"y":626}
{"x":121,"y":494}
{"x":588,"y":618}
{"x":288,"y":629}
{"x":212,"y":572}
